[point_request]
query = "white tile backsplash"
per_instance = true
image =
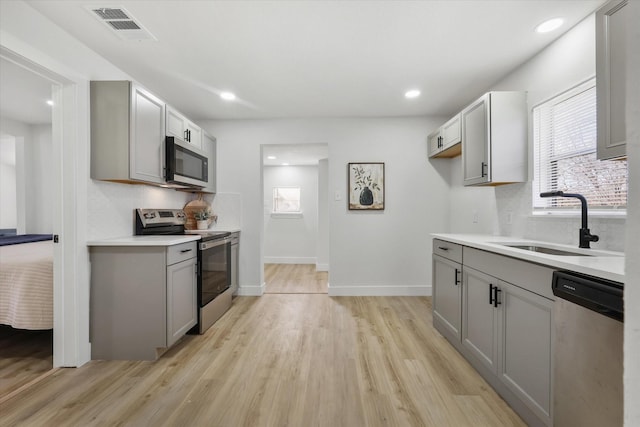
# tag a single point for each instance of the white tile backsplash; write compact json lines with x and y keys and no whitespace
{"x":228,"y":207}
{"x":516,"y":198}
{"x":111,"y":206}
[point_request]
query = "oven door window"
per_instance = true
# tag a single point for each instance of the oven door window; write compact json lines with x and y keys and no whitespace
{"x":215,"y":276}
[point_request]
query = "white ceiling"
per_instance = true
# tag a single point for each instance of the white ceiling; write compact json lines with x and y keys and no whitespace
{"x":23,"y":94}
{"x":299,"y":155}
{"x":320,"y":58}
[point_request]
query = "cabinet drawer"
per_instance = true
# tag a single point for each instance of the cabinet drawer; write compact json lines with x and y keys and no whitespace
{"x":532,"y":277}
{"x":235,"y":238}
{"x":447,"y":250}
{"x":181,"y":252}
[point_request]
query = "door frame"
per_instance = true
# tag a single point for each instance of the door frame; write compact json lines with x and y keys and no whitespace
{"x":70,"y":300}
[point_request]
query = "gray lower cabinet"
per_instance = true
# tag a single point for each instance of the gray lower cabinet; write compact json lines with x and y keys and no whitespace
{"x":447,"y":304}
{"x":480,"y":317}
{"x":182,"y":312}
{"x":508,"y":330}
{"x":506,"y":326}
{"x":143,"y":299}
{"x":235,"y":262}
{"x":525,"y":347}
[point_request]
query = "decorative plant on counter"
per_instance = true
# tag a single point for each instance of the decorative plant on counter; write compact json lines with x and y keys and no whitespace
{"x":202,"y":215}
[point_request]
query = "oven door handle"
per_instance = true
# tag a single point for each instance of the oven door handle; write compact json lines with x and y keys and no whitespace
{"x":208,"y":245}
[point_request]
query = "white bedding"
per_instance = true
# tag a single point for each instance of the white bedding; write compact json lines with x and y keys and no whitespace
{"x":26,"y":285}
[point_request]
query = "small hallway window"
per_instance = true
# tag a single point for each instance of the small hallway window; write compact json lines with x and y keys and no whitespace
{"x":286,"y":200}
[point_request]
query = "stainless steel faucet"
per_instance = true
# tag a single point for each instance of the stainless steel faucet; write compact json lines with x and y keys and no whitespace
{"x":585,"y":235}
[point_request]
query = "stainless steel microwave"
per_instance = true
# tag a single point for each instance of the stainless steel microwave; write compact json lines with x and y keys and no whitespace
{"x":186,"y":164}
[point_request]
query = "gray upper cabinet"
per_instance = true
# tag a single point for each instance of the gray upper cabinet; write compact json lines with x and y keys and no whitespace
{"x":181,"y":127}
{"x":127,"y":133}
{"x":446,"y":140}
{"x":611,"y":25}
{"x":494,"y":139}
{"x":209,"y":146}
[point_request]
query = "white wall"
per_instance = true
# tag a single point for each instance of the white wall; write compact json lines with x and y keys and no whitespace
{"x":322,"y":248}
{"x":563,"y":64}
{"x":8,"y":203}
{"x":291,"y":240}
{"x":32,"y":184}
{"x":632,"y":273}
{"x":38,"y":184}
{"x":28,"y":34}
{"x":374,"y":253}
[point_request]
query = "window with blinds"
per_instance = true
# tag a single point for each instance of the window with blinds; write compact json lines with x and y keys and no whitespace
{"x":564,"y":135}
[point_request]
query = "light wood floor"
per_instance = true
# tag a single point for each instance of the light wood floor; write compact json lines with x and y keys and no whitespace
{"x":281,"y":360}
{"x":295,"y":279}
{"x":24,"y":356}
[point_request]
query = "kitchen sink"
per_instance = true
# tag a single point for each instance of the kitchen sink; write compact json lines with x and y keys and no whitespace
{"x":546,"y":250}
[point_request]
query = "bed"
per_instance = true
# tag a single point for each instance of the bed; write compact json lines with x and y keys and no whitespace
{"x":26,"y":281}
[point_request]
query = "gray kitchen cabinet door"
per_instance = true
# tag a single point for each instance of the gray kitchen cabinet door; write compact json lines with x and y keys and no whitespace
{"x":235,"y":259}
{"x":475,"y":137}
{"x":147,"y":137}
{"x":433,"y":143}
{"x":451,"y":132}
{"x":182,"y":128}
{"x":526,"y":337}
{"x":181,"y":299}
{"x":611,"y":27}
{"x":480,"y":317}
{"x":209,"y":146}
{"x":447,"y":295}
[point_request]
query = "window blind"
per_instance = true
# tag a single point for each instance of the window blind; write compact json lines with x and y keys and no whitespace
{"x":565,"y":138}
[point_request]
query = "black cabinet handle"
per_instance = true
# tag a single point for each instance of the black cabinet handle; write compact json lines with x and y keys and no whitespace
{"x":496,"y":303}
{"x":457,"y":280}
{"x":442,"y":248}
{"x":185,"y":251}
{"x":491,"y":294}
{"x":484,"y":166}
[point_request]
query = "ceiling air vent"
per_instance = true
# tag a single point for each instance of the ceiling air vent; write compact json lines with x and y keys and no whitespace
{"x":121,"y":22}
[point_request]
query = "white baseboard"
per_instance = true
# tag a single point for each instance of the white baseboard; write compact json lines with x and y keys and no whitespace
{"x":289,"y":260}
{"x":251,"y":291}
{"x":322,"y":267}
{"x":379,"y":291}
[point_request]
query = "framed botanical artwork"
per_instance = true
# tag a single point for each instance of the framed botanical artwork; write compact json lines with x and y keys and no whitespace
{"x":366,"y":186}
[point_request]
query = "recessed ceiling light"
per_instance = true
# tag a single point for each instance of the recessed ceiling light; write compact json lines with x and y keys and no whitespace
{"x":413,"y":93}
{"x":271,"y":157}
{"x":50,"y":102}
{"x":228,"y":96}
{"x":285,"y":164}
{"x":549,"y":25}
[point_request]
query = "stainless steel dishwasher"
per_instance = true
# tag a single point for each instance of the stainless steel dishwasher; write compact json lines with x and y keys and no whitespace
{"x":589,"y":317}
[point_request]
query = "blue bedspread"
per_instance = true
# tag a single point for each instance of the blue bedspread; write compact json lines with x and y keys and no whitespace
{"x":24,"y":238}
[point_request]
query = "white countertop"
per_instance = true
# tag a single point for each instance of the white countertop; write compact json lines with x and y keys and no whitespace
{"x":231,"y":229}
{"x":604,"y":264}
{"x":145,"y":240}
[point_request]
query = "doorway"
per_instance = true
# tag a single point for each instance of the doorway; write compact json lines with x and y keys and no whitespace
{"x":68,"y":175}
{"x":295,"y":220}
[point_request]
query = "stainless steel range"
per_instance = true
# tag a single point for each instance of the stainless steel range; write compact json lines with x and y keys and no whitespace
{"x":214,"y":261}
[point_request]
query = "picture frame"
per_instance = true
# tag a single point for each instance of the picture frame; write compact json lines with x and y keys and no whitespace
{"x":365,"y":186}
